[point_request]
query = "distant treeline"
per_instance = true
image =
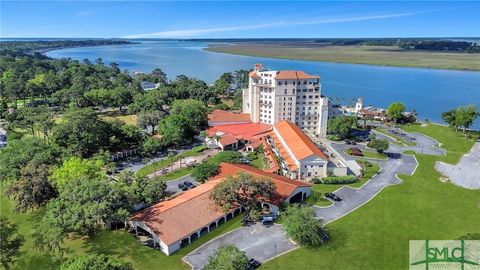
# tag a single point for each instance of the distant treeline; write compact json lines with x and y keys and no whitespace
{"x":410,"y":44}
{"x":16,"y":48}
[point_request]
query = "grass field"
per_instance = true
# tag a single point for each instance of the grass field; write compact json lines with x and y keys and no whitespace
{"x":117,"y":242}
{"x":374,"y":55}
{"x":130,"y":119}
{"x":376,"y":235}
{"x":316,"y":198}
{"x":176,"y":174}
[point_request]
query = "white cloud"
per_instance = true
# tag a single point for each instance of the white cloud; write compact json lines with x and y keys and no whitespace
{"x":200,"y":32}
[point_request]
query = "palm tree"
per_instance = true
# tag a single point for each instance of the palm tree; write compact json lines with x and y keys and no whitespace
{"x":217,"y":138}
{"x":205,"y":136}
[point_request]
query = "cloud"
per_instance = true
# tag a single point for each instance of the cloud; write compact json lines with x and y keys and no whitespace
{"x":200,"y":32}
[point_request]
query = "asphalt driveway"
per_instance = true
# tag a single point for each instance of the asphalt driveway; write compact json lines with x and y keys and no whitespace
{"x":258,"y":241}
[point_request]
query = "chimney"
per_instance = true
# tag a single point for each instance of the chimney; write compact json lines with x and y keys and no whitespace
{"x":258,"y":67}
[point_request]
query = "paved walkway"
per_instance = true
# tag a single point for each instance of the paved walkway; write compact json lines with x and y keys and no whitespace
{"x":258,"y":242}
{"x":466,"y":173}
{"x":182,"y":163}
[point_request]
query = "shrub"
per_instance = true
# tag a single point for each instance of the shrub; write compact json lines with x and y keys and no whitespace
{"x":347,"y":179}
{"x":316,"y":180}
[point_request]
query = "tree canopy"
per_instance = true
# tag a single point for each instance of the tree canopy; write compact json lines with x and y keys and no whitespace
{"x":378,"y":144}
{"x":302,"y":225}
{"x":11,"y":241}
{"x":395,"y":111}
{"x":461,"y":117}
{"x":204,"y":171}
{"x":227,"y":258}
{"x":244,"y":190}
{"x":97,"y":262}
{"x":75,"y":168}
{"x":341,"y":126}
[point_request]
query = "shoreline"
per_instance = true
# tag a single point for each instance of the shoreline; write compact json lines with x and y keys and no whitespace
{"x":43,"y":51}
{"x":227,"y":50}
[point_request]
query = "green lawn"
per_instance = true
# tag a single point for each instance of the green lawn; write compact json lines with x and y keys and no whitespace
{"x":316,"y":198}
{"x":176,"y":174}
{"x":259,"y":162}
{"x":400,"y":140}
{"x":376,"y":235}
{"x":117,"y":242}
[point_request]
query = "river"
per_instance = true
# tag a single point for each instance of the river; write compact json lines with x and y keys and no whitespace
{"x":429,"y":91}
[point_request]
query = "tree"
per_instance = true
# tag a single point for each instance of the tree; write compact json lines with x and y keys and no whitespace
{"x":152,"y":100}
{"x":227,"y":258}
{"x":243,"y":190}
{"x":33,"y":189}
{"x":378,"y":144}
{"x":302,"y":225}
{"x":149,"y":120}
{"x":82,"y":132}
{"x":341,"y":126}
{"x":465,"y":116}
{"x":204,"y":135}
{"x":151,"y":146}
{"x":222,"y":85}
{"x":194,"y":111}
{"x":154,"y":190}
{"x":204,"y":171}
{"x":450,"y":118}
{"x":10,"y":244}
{"x":97,"y":262}
{"x":395,"y":111}
{"x":175,"y":130}
{"x":85,"y":203}
{"x":19,"y":152}
{"x":74,"y":168}
{"x":159,"y":76}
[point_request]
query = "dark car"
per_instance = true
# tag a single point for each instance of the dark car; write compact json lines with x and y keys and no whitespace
{"x":253,"y":264}
{"x":188,"y":184}
{"x":353,"y":143}
{"x":181,"y":186}
{"x":333,"y":197}
{"x":348,"y":142}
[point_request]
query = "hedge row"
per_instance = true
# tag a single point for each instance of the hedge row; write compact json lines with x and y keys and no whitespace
{"x":347,"y":179}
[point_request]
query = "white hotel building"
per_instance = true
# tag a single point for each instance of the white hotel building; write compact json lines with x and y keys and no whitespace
{"x":273,"y":96}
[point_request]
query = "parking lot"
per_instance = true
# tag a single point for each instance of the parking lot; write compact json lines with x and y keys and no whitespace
{"x":258,"y":242}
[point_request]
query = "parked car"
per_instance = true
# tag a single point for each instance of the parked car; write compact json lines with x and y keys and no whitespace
{"x":253,"y":264}
{"x":267,"y":221}
{"x":245,"y":161}
{"x":333,"y":197}
{"x":353,"y":143}
{"x":181,"y":186}
{"x":348,"y":142}
{"x":189,"y":184}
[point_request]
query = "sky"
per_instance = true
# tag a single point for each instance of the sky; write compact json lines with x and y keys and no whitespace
{"x":230,"y":19}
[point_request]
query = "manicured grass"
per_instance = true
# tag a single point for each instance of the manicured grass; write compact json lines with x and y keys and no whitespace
{"x":376,"y":235}
{"x":374,"y":55}
{"x":316,"y":198}
{"x":176,"y":174}
{"x":158,"y":165}
{"x":448,"y":137}
{"x":118,"y":243}
{"x":399,"y":139}
{"x":370,"y":154}
{"x":258,"y":162}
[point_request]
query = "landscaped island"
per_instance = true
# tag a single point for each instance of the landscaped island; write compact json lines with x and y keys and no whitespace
{"x":384,"y":54}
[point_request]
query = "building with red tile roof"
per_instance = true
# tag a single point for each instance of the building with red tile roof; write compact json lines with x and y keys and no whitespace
{"x":176,"y":222}
{"x":233,"y":136}
{"x":299,"y":157}
{"x":292,"y":95}
{"x":221,"y":117}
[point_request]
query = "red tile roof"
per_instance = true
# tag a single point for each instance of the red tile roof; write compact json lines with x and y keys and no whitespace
{"x":187,"y":213}
{"x":294,"y":75}
{"x":224,"y":117}
{"x":228,"y":139}
{"x":299,"y":143}
{"x":248,"y":131}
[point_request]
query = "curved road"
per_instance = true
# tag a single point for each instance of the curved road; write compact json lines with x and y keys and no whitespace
{"x":397,"y":163}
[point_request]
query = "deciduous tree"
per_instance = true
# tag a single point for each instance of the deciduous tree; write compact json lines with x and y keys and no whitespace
{"x":11,"y":241}
{"x":227,"y":258}
{"x":395,"y":111}
{"x":302,"y":225}
{"x":97,"y":262}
